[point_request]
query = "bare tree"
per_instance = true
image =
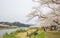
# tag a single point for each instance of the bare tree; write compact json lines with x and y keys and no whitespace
{"x":49,"y":18}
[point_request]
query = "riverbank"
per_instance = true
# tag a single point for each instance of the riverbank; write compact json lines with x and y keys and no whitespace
{"x":2,"y":32}
{"x":30,"y":32}
{"x":13,"y":34}
{"x":25,"y":34}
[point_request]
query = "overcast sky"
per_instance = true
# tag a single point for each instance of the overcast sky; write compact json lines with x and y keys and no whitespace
{"x":15,"y":10}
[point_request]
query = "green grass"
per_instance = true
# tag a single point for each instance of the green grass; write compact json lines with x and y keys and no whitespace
{"x":18,"y":31}
{"x":52,"y":34}
{"x":12,"y":35}
{"x":41,"y":34}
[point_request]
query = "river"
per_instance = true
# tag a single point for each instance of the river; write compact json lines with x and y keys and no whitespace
{"x":2,"y":32}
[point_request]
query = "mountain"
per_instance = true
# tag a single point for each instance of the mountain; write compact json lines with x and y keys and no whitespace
{"x":15,"y":24}
{"x":20,"y":24}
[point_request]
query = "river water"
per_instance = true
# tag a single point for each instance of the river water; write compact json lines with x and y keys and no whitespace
{"x":2,"y":32}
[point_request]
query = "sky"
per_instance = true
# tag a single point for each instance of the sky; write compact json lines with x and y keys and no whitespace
{"x":16,"y":10}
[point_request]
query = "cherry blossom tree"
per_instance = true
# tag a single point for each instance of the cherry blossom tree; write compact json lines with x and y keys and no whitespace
{"x":51,"y":17}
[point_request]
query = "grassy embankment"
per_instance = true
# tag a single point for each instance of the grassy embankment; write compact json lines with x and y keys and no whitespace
{"x":41,"y":34}
{"x":52,"y":34}
{"x":13,"y":34}
{"x":23,"y":34}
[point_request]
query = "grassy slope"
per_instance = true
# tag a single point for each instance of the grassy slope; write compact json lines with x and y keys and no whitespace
{"x":41,"y":34}
{"x":12,"y":35}
{"x":52,"y":34}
